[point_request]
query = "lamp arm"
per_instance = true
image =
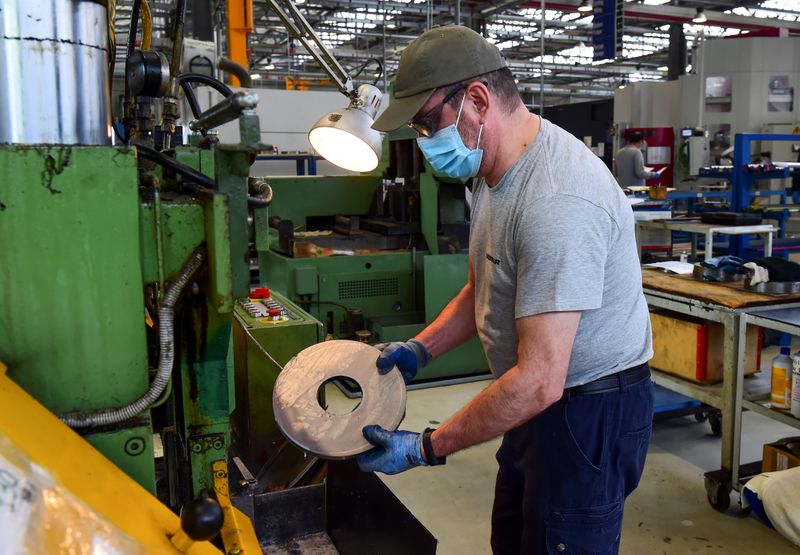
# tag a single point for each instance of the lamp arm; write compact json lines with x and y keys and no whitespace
{"x":301,"y":29}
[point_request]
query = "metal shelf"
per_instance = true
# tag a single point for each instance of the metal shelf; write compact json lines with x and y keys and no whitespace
{"x":709,"y":394}
{"x":779,"y":415}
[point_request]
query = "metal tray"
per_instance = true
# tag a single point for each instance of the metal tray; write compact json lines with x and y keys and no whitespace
{"x":702,"y":273}
{"x":774,"y":287}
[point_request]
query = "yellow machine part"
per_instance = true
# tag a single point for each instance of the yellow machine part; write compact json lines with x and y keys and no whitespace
{"x":88,"y":476}
{"x":237,"y":532}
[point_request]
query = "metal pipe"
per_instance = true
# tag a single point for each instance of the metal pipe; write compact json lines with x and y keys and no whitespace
{"x":383,"y":45}
{"x":701,"y":74}
{"x":227,"y":110}
{"x":54,"y":58}
{"x":541,"y":61}
{"x":237,"y":70}
{"x":458,"y":12}
{"x":166,"y":360}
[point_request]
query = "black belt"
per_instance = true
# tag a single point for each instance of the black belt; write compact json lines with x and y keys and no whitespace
{"x":614,"y":382}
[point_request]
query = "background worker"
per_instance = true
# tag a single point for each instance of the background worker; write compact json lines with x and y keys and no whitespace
{"x":629,"y":163}
{"x":554,"y":292}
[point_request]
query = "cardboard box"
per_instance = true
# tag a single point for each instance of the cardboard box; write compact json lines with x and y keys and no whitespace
{"x":693,"y":349}
{"x":780,"y":455}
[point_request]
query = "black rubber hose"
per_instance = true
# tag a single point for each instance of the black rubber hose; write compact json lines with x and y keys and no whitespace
{"x":188,"y":90}
{"x":237,"y":70}
{"x":181,"y":169}
{"x":134,"y":28}
{"x":201,"y":183}
{"x":218,"y":86}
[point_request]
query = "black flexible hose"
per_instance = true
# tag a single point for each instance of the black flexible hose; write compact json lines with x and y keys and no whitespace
{"x":188,"y":90}
{"x":363,"y":66}
{"x":134,"y":28}
{"x":181,"y":169}
{"x":218,"y":86}
{"x":200,"y":182}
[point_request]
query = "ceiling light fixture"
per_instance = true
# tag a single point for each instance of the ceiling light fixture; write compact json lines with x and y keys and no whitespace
{"x":585,"y":6}
{"x":700,"y":16}
{"x":344,"y":137}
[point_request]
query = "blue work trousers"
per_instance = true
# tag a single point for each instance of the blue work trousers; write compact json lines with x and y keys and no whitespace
{"x":564,"y":475}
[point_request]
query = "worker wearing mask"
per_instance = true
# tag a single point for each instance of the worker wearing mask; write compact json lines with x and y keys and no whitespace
{"x":554,"y":292}
{"x":629,"y":163}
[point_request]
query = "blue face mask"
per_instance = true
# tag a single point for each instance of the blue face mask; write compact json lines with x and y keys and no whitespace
{"x":448,"y":154}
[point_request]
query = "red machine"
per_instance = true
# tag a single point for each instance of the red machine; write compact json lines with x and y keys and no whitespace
{"x":659,"y":151}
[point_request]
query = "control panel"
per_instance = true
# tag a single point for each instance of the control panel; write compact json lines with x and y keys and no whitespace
{"x":263,"y":306}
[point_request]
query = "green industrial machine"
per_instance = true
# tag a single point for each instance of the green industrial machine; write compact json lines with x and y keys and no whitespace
{"x":127,"y":306}
{"x":121,"y":266}
{"x":381,"y":255}
{"x":86,"y":261}
{"x":286,"y":334}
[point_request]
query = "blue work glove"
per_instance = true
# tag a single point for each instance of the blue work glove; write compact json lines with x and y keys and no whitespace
{"x":395,"y":452}
{"x":409,"y":357}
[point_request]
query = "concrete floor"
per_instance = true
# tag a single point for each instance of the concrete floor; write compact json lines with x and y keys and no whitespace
{"x":668,"y":514}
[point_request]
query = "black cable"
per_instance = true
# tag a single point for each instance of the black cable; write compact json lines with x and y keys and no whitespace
{"x":188,"y":90}
{"x":218,"y":86}
{"x":116,"y":131}
{"x":363,"y":66}
{"x":309,"y":301}
{"x":201,"y":183}
{"x":181,"y":169}
{"x":133,"y":29}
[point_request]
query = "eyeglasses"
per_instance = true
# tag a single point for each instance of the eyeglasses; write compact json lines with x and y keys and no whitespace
{"x":425,"y":125}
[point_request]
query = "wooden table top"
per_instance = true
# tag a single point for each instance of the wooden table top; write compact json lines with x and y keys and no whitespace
{"x":731,"y":294}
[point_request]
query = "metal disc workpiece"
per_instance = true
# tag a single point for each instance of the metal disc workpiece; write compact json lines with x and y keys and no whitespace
{"x":325,"y":434}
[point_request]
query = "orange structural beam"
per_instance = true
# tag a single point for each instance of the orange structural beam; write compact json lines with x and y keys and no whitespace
{"x":240,"y":25}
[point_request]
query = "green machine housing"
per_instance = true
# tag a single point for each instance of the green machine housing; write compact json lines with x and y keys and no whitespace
{"x":381,"y":254}
{"x":91,"y":239}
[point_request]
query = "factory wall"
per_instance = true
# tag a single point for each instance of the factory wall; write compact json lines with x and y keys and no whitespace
{"x":750,"y":63}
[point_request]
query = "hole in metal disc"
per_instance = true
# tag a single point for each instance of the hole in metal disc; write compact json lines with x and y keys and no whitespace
{"x":331,"y":398}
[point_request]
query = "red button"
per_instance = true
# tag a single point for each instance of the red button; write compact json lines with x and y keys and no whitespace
{"x":260,"y":293}
{"x":274,"y":312}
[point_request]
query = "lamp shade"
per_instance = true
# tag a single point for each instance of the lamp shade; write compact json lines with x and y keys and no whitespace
{"x":700,"y":16}
{"x":345,"y":137}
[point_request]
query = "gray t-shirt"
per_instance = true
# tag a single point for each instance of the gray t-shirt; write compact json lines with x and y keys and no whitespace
{"x":629,"y":164}
{"x":556,"y":234}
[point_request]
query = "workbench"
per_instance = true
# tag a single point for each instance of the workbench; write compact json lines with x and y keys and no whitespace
{"x":735,"y":308}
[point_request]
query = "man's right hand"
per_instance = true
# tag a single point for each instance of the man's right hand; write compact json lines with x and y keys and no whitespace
{"x":408,"y":356}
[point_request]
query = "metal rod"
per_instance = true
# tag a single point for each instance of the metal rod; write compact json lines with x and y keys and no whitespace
{"x":701,"y":73}
{"x":541,"y":62}
{"x":383,"y":45}
{"x":458,"y":12}
{"x":299,"y":28}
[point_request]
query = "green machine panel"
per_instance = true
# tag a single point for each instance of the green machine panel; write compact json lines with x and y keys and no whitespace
{"x":72,"y":327}
{"x":381,"y":284}
{"x":444,"y":276}
{"x":261,"y":348}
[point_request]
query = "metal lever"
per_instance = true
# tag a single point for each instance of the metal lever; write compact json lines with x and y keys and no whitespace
{"x":227,"y":110}
{"x":247,"y":477}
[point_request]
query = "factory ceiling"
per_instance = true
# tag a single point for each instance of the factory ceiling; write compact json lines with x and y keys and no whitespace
{"x":365,"y":33}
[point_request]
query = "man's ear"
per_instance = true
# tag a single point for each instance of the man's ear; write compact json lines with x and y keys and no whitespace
{"x":481,"y":99}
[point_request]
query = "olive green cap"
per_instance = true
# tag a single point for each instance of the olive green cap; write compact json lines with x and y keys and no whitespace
{"x":439,"y":57}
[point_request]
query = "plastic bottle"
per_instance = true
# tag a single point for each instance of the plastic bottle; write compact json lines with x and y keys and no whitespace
{"x":781,"y":380}
{"x":795,"y":404}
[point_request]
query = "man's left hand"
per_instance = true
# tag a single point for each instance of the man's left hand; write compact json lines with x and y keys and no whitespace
{"x":395,"y":452}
